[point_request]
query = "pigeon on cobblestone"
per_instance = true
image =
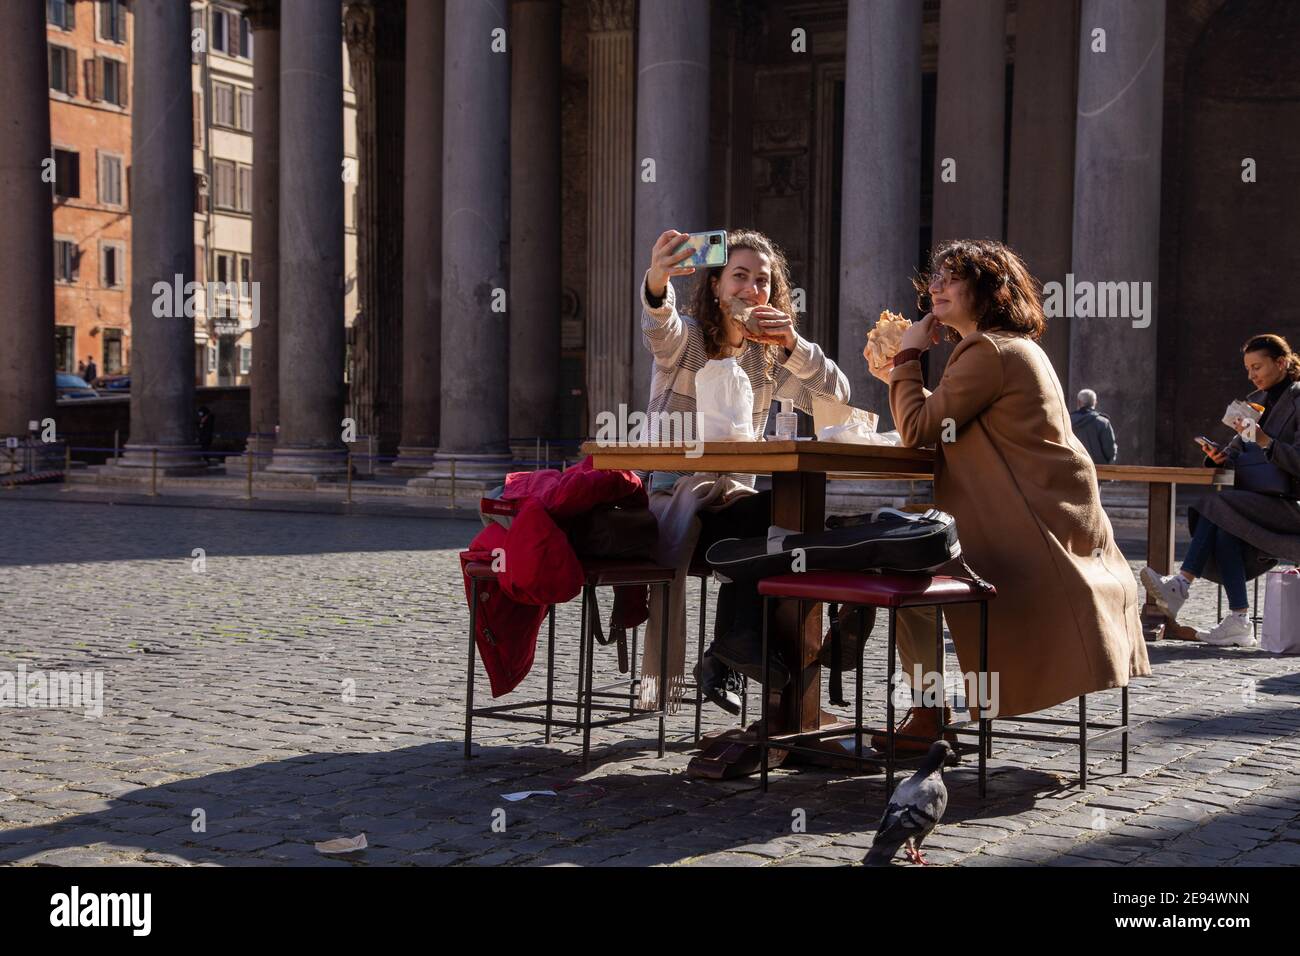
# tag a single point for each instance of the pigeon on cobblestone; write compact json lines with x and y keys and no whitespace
{"x":914,"y":809}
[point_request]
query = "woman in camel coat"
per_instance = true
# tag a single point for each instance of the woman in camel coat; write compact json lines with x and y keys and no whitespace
{"x":1022,"y":489}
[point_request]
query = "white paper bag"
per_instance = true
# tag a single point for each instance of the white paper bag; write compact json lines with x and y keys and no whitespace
{"x":724,"y":402}
{"x":1281,"y":631}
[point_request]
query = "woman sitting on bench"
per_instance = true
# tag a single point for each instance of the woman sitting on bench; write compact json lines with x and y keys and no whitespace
{"x":1238,"y":533}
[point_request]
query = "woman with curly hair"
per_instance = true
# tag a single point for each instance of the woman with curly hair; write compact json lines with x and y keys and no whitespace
{"x":780,"y":363}
{"x":1022,"y":488}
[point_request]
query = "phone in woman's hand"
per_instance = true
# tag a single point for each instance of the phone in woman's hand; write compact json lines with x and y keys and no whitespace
{"x":1207,"y":445}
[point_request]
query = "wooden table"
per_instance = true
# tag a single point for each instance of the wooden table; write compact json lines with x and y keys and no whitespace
{"x":799,"y":470}
{"x":1161,"y":520}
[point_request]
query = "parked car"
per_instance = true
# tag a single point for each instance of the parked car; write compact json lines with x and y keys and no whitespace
{"x":67,"y":385}
{"x":113,"y":384}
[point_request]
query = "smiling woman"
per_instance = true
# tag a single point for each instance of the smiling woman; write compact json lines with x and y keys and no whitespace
{"x":779,"y":363}
{"x":1024,"y":492}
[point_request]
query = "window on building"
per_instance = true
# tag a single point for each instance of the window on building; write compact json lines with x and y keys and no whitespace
{"x":112,"y":264}
{"x":201,"y":194}
{"x":212,"y":356}
{"x":245,"y":359}
{"x":244,"y":197}
{"x":65,"y":348}
{"x":67,"y":260}
{"x":110,"y":179}
{"x":223,"y":185}
{"x":244,"y":119}
{"x":197,"y":114}
{"x":225,"y":266}
{"x":245,"y":277}
{"x":61,"y":13}
{"x":218,"y":31}
{"x":67,"y":174}
{"x":231,"y":33}
{"x":63,"y":69}
{"x":112,"y":20}
{"x":113,"y":81}
{"x":223,"y":104}
{"x":112,"y":361}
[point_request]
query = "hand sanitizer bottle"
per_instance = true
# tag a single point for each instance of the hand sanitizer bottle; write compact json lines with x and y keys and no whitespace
{"x":787,"y":422}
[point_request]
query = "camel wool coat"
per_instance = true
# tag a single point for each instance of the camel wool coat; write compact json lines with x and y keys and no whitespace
{"x":1023,"y":490}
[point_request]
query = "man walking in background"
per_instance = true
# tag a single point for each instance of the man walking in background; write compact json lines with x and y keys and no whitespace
{"x":1094,"y":429}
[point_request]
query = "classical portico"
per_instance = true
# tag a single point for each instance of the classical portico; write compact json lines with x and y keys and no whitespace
{"x":517,"y":158}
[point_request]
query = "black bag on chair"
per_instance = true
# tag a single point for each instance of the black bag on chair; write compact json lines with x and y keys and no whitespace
{"x":885,"y":540}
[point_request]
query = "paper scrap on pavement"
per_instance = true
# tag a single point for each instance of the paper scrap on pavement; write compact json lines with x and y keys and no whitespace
{"x":525,"y":794}
{"x":343,"y":845}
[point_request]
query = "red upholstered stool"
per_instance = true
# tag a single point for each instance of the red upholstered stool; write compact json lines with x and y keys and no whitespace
{"x":882,"y":590}
{"x":597,"y":573}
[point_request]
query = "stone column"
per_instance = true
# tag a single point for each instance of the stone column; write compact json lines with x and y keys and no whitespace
{"x":376,"y":41}
{"x":672,"y":130}
{"x":264,"y":388}
{"x":881,"y":204}
{"x":969,"y":129}
{"x":26,"y":228}
{"x":1117,"y":211}
{"x":422,"y":236}
{"x":611,"y":117}
{"x":311,"y":240}
{"x":535,"y":219}
{"x":1041,"y":199}
{"x":476,"y":182}
{"x":162,"y":241}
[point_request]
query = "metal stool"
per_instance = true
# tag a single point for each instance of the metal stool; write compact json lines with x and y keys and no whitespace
{"x":892,"y":591}
{"x":597,"y":574}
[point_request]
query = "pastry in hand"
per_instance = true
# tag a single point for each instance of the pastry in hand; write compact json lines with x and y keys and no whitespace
{"x":743,"y":312}
{"x":884,"y":340}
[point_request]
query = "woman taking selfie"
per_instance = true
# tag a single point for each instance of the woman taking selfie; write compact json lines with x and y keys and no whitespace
{"x":1022,"y":489}
{"x":780,"y":364}
{"x":1240,"y":532}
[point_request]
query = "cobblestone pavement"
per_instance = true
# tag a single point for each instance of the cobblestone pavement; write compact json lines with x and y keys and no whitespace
{"x":308,"y":684}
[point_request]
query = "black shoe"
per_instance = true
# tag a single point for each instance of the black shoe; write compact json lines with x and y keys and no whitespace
{"x":718,"y":683}
{"x":741,"y":650}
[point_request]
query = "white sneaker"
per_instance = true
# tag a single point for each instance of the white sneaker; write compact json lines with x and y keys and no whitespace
{"x":1233,"y":631}
{"x":1167,"y":593}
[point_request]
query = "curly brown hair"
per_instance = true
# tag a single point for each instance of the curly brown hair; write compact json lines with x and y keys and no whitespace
{"x":1276,"y":347}
{"x":707,"y":310}
{"x":1007,"y":297}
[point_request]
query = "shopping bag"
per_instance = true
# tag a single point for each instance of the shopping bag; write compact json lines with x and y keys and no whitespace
{"x":1281,"y":631}
{"x":724,"y":402}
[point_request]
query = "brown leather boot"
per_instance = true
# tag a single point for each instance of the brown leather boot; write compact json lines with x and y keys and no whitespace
{"x":920,"y":722}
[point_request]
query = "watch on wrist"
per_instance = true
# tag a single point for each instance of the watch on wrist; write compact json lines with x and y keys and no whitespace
{"x":906,"y":355}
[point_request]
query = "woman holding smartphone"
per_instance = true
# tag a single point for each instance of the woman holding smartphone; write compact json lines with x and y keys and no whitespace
{"x":1024,"y":492}
{"x":780,"y":363}
{"x":1239,"y":534}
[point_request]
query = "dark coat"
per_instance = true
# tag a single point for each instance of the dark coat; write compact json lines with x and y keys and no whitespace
{"x":1097,"y":435}
{"x":1269,"y":525}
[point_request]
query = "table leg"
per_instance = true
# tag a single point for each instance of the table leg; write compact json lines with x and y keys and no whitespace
{"x":1161,"y":519}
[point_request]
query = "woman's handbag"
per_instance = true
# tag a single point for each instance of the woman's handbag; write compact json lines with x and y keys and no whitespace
{"x":1254,"y":472}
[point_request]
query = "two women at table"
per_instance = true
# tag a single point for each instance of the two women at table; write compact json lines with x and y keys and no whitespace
{"x":1008,"y":467}
{"x":1238,"y":533}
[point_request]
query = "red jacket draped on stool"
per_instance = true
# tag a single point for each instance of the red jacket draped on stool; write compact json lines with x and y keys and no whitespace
{"x":534,"y":564}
